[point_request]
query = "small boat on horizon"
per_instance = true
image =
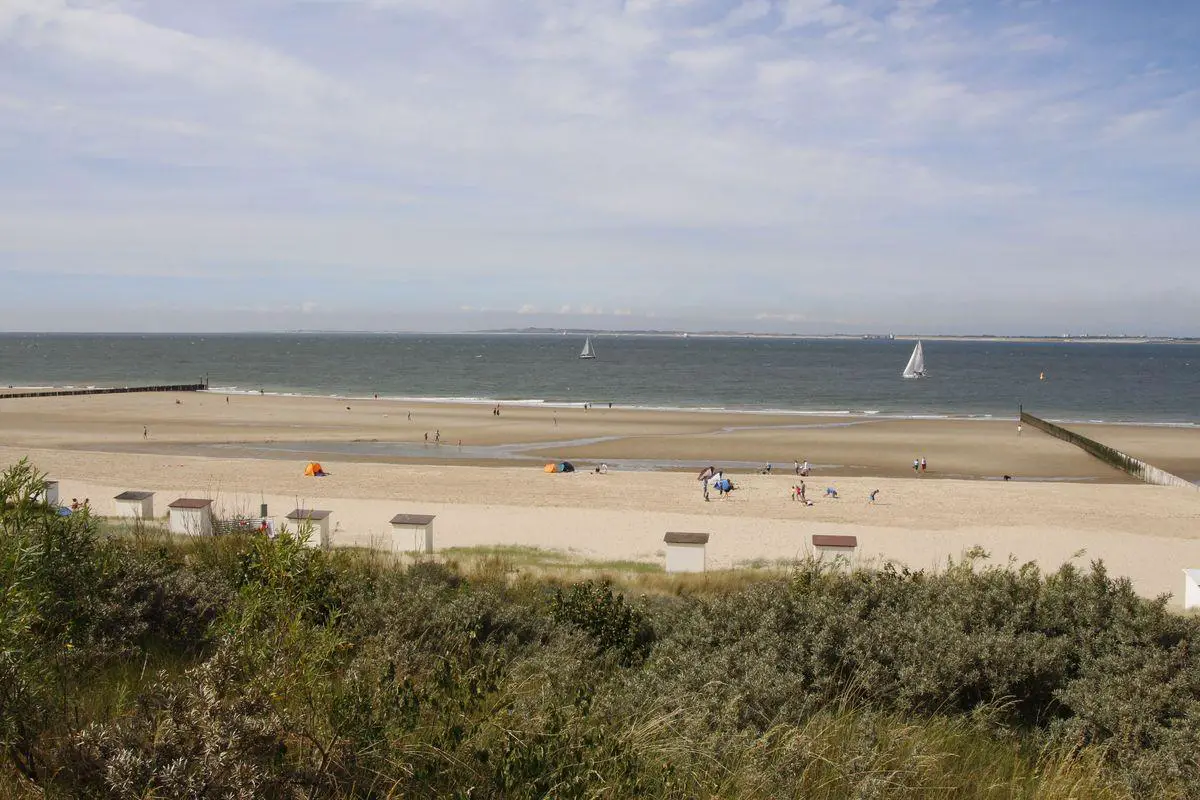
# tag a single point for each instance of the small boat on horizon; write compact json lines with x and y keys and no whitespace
{"x":587,"y":352}
{"x":916,"y":363}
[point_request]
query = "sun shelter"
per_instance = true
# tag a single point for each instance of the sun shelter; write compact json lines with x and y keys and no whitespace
{"x":316,"y":521}
{"x":1191,"y":588}
{"x":191,"y":517}
{"x":685,"y":551}
{"x":314,"y":470}
{"x":135,"y":505}
{"x":413,"y":533}
{"x":51,"y":493}
{"x":560,"y":466}
{"x":827,"y":544}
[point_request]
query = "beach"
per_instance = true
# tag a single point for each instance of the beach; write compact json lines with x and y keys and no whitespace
{"x":244,"y":450}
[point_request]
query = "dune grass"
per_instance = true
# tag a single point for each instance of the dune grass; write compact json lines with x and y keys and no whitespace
{"x":135,"y":664}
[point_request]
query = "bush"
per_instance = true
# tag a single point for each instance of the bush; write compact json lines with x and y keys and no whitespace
{"x":612,"y":624}
{"x":245,"y":667}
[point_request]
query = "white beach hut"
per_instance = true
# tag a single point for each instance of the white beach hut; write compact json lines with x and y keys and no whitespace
{"x":412,"y":533}
{"x":135,"y":505}
{"x":191,"y":517}
{"x":826,"y":544}
{"x":318,"y":522}
{"x":1191,"y":588}
{"x":686,"y":551}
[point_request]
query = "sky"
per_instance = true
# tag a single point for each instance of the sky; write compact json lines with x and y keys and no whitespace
{"x":807,"y":166}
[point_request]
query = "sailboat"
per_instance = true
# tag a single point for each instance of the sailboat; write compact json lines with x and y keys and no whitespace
{"x":588,"y":352}
{"x":916,"y":363}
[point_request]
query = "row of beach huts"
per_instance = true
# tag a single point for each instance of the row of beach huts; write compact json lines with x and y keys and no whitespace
{"x":413,"y":533}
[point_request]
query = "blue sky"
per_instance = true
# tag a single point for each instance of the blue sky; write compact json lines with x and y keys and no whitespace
{"x":780,"y":165}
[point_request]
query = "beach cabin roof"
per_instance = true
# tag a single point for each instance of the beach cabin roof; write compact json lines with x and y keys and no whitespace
{"x":309,"y":513}
{"x":190,"y":502}
{"x":827,"y":540}
{"x":136,"y":496}
{"x":678,"y":537}
{"x":412,"y":519}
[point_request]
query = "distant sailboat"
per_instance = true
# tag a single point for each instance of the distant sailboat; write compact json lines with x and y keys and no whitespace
{"x":588,"y":352}
{"x":916,"y":363}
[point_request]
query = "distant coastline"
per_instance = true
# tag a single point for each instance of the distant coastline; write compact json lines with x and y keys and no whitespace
{"x":899,"y":337}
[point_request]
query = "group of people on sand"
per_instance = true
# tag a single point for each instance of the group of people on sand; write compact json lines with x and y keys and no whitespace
{"x":920,"y":465}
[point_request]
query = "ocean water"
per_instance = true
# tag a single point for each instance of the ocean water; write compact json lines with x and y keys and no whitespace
{"x":1144,"y":383}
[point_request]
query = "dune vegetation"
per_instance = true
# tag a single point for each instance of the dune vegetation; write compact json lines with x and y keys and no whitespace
{"x":138,"y":665}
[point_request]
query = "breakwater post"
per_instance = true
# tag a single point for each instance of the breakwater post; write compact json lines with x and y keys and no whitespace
{"x":181,"y":387}
{"x":1109,"y":455}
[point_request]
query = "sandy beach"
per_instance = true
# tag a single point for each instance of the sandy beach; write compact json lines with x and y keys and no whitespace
{"x":245,"y":450}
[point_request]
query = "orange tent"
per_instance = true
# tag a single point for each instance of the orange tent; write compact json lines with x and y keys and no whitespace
{"x":313,"y":469}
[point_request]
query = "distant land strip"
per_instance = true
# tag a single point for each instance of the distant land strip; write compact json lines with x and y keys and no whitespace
{"x":1082,"y":338}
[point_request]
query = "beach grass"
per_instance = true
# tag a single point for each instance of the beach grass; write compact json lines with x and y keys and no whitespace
{"x":140,"y":665}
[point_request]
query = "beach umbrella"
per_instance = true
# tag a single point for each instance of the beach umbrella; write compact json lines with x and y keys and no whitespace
{"x":706,"y":473}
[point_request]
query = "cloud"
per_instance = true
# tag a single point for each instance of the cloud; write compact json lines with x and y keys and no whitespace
{"x":673,"y":154}
{"x":746,"y":12}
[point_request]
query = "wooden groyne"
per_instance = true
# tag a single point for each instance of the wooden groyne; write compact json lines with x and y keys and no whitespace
{"x":179,"y":387}
{"x":1110,"y":455}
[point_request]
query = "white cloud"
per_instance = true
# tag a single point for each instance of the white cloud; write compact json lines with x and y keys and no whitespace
{"x":746,"y":12}
{"x":487,"y":153}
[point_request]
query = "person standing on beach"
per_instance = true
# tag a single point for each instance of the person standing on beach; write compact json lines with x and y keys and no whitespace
{"x":916,"y":465}
{"x":796,"y":464}
{"x":145,"y":432}
{"x":426,"y":437}
{"x":437,"y":436}
{"x":924,"y":465}
{"x":1018,"y":429}
{"x":704,"y":483}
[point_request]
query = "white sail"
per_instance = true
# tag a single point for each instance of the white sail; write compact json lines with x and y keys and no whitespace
{"x":587,"y":349}
{"x":916,"y":363}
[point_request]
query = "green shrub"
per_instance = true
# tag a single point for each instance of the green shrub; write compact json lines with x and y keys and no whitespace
{"x":613,"y":624}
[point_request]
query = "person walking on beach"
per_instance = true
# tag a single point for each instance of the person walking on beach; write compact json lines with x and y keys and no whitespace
{"x":1018,"y":429}
{"x":796,"y":466}
{"x":923,"y":464}
{"x":916,"y":465}
{"x":437,"y":436}
{"x":704,"y":483}
{"x":145,"y":432}
{"x":426,"y":437}
{"x":803,"y":496}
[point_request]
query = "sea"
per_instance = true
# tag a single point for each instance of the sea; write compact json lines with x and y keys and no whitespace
{"x":1068,"y":381}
